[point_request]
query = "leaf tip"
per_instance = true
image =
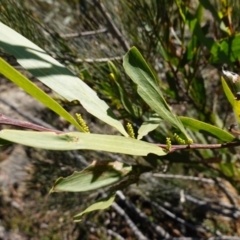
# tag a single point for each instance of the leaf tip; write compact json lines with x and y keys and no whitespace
{"x":77,"y":219}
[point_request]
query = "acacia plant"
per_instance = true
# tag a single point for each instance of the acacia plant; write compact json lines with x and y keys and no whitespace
{"x":112,"y":174}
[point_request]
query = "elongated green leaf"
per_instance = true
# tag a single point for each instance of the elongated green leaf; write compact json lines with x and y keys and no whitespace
{"x":15,"y":76}
{"x":100,"y":205}
{"x":138,"y":70}
{"x":151,"y":124}
{"x":197,"y":125}
{"x":55,"y":75}
{"x":77,"y":140}
{"x":182,"y":9}
{"x":98,"y":175}
{"x":228,"y":92}
{"x":122,"y":93}
{"x":235,"y":104}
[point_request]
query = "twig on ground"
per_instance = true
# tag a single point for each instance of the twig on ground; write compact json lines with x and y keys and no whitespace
{"x":128,"y":220}
{"x":232,"y":213}
{"x":176,"y":218}
{"x":158,"y":229}
{"x":99,"y":60}
{"x":112,"y":27}
{"x":115,"y":235}
{"x":206,"y":180}
{"x":87,"y":60}
{"x":83,"y":34}
{"x":226,"y":192}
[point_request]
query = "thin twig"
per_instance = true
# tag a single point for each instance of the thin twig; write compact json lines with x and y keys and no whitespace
{"x":206,"y":180}
{"x":232,"y":130}
{"x":87,"y":60}
{"x":234,"y":214}
{"x":83,"y":34}
{"x":99,"y":60}
{"x":128,"y":220}
{"x":200,"y":146}
{"x":23,"y":124}
{"x":27,"y":116}
{"x":223,"y":204}
{"x":218,"y":207}
{"x":115,"y":235}
{"x":112,"y":27}
{"x":226,"y":192}
{"x":158,"y":229}
{"x":178,"y":219}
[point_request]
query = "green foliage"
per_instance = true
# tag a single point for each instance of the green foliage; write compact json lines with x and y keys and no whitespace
{"x":137,"y":68}
{"x":97,"y":175}
{"x":226,"y":51}
{"x":152,"y":90}
{"x":199,"y":126}
{"x":55,"y":75}
{"x":99,"y":205}
{"x":229,"y":94}
{"x":122,"y":94}
{"x":77,"y":140}
{"x":20,"y":80}
{"x":149,"y":125}
{"x":52,"y":75}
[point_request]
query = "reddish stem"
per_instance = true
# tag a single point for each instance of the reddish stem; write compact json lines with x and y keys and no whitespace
{"x":23,"y":124}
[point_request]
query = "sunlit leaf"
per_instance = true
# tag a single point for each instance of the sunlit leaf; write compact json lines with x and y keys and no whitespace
{"x":203,"y":127}
{"x":99,"y":205}
{"x":55,"y":75}
{"x":139,"y":71}
{"x":231,"y":98}
{"x":77,"y":140}
{"x":151,"y":124}
{"x":97,"y":175}
{"x":15,"y":76}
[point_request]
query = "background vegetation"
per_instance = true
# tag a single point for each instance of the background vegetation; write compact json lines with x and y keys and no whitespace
{"x":188,"y":194}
